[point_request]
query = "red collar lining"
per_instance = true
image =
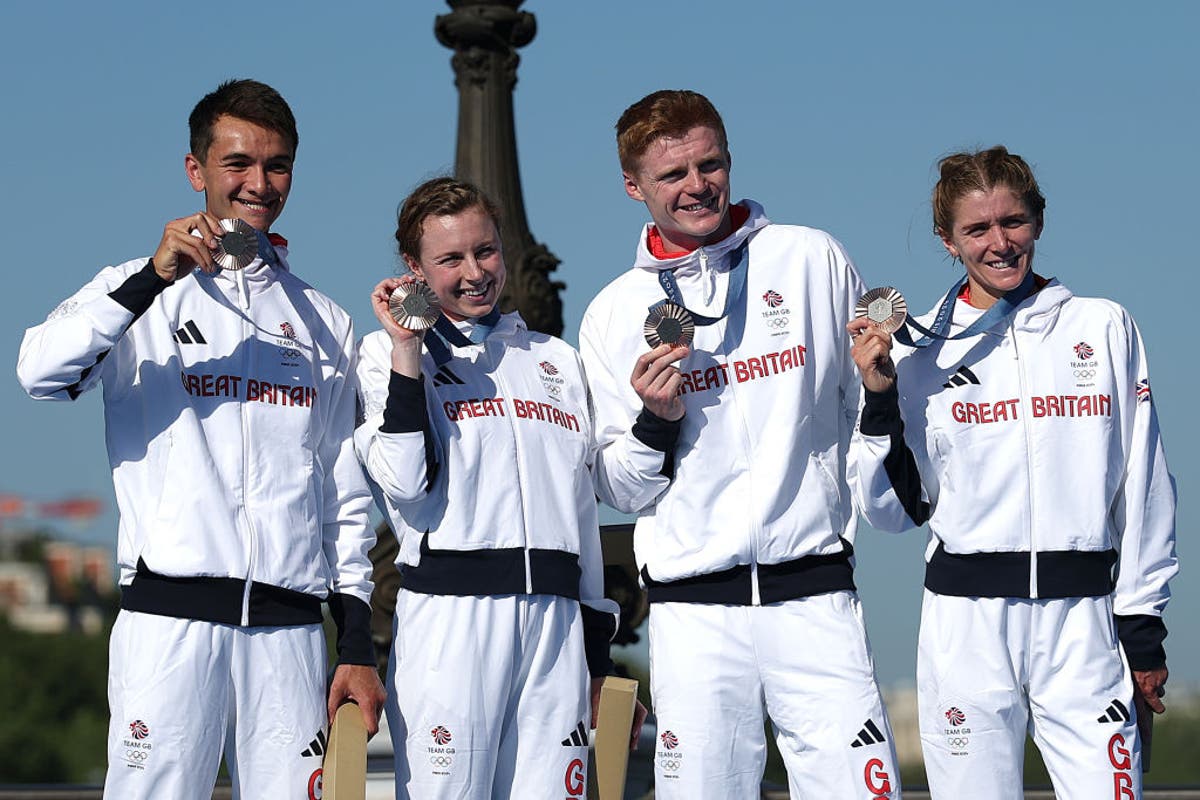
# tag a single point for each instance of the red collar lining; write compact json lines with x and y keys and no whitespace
{"x":658,"y":247}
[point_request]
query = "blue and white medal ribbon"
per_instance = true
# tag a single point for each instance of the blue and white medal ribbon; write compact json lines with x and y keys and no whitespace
{"x":671,"y":322}
{"x":446,"y":334}
{"x":1001,"y":311}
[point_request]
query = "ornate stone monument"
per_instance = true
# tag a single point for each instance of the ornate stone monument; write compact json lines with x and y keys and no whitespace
{"x":485,"y":35}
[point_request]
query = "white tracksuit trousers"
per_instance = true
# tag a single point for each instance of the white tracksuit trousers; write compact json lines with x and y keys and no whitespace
{"x":989,"y":669}
{"x":181,"y":690}
{"x":807,"y":662}
{"x":488,"y":697}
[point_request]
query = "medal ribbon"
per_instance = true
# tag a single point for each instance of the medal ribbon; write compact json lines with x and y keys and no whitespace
{"x":1001,"y":311}
{"x":266,"y":247}
{"x":446,"y":334}
{"x":737,"y":284}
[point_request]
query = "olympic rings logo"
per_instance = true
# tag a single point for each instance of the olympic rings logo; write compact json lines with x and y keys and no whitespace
{"x":777,"y":322}
{"x":669,"y":764}
{"x":136,"y":755}
{"x":1085,"y":373}
{"x":958,"y":741}
{"x":441,"y":761}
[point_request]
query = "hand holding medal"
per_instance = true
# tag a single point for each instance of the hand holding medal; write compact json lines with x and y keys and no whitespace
{"x":878,"y":314}
{"x":406,"y":309}
{"x":414,"y":306}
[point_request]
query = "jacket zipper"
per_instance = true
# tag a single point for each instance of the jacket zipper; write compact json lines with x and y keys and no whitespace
{"x":720,"y":327}
{"x":1026,"y":419}
{"x":500,"y":384}
{"x":247,"y":331}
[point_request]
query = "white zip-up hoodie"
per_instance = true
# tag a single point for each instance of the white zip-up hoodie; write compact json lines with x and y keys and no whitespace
{"x":229,"y":411}
{"x":1036,"y":438}
{"x":485,"y":464}
{"x":757,"y":474}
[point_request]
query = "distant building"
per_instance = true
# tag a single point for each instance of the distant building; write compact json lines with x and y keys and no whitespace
{"x":65,"y":590}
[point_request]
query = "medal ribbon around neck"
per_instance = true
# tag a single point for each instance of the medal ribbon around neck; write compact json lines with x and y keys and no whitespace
{"x":1001,"y":311}
{"x":446,"y":334}
{"x":737,"y":284}
{"x":266,"y":248}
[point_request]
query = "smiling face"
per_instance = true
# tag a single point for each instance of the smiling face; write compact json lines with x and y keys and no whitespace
{"x":461,"y":261}
{"x":993,"y":232}
{"x":247,"y":172}
{"x":684,"y":182}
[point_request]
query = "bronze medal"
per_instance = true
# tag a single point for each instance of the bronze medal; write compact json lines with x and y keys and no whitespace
{"x":669,"y":324}
{"x":414,"y":306}
{"x":237,"y":247}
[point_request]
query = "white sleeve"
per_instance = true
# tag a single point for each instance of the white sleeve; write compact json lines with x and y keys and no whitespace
{"x":601,"y":616}
{"x":394,"y":441}
{"x":63,"y":357}
{"x":1143,"y":514}
{"x":884,"y":478}
{"x":630,"y":473}
{"x":346,"y":530}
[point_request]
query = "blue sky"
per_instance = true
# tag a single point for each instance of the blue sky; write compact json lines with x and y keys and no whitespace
{"x":836,"y":113}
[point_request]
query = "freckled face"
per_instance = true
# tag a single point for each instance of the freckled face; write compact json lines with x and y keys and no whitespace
{"x":994,"y":233}
{"x":684,"y":183}
{"x":462,"y":262}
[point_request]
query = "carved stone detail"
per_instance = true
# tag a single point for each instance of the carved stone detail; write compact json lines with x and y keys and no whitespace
{"x":484,"y":35}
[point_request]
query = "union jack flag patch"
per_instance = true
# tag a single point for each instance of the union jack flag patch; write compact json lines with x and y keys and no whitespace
{"x":1143,"y":390}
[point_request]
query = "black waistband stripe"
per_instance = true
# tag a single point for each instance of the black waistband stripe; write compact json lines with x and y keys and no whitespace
{"x":490,"y":572}
{"x":801,"y":577}
{"x":217,"y":600}
{"x":1060,"y":573}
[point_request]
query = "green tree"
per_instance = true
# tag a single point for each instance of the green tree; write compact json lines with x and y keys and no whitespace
{"x":53,"y":688}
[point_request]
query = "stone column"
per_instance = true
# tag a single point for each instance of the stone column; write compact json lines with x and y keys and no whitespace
{"x":485,"y":35}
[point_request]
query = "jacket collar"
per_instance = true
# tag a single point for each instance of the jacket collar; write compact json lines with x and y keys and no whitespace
{"x":692,"y":263}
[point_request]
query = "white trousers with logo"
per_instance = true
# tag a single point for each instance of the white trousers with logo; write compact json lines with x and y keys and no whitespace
{"x":806,"y":663}
{"x":990,"y":669}
{"x":488,"y":697}
{"x":180,"y":691}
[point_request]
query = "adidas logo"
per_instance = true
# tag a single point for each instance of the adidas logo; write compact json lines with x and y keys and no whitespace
{"x":317,"y":746}
{"x":578,"y":737}
{"x":444,"y":376}
{"x":961,"y":377}
{"x":868,"y":736}
{"x":1116,"y":712}
{"x":189,"y":334}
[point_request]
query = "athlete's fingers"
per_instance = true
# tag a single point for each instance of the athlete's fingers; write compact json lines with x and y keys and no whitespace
{"x":209,"y":228}
{"x":178,"y":251}
{"x":858,"y":325}
{"x":1149,"y":685}
{"x":596,"y":686}
{"x":658,"y":359}
{"x":639,"y":718}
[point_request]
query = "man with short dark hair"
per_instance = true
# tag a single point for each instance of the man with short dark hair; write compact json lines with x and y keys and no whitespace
{"x":729,"y":441}
{"x":229,"y":405}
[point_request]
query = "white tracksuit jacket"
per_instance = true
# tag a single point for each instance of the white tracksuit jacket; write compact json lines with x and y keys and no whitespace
{"x":1033,"y":451}
{"x":750,"y":498}
{"x":229,"y":411}
{"x":484,"y":467}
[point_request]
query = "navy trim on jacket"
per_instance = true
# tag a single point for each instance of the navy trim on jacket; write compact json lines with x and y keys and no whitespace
{"x":502,"y":571}
{"x":1060,"y":573}
{"x":801,"y":577}
{"x":217,"y":600}
{"x":494,"y":571}
{"x":881,"y":417}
